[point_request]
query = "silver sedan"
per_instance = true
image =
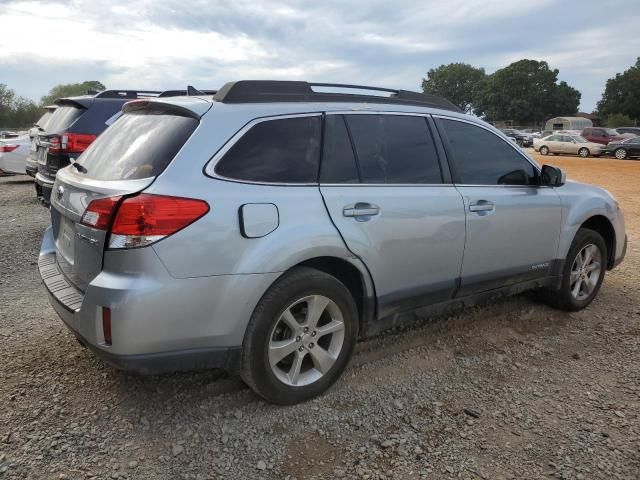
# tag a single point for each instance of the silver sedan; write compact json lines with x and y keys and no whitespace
{"x":567,"y":145}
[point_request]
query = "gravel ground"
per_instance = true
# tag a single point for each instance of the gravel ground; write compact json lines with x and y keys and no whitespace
{"x":513,"y":390}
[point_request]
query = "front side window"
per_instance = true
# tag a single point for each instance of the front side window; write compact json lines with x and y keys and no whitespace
{"x":483,"y":158}
{"x":394,"y":149}
{"x":285,"y":150}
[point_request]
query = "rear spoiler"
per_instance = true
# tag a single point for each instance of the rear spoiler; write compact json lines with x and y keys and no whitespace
{"x":78,"y":102}
{"x":173,"y":108}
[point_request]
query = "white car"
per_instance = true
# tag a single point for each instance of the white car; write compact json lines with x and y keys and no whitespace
{"x":13,"y":154}
{"x":567,"y":145}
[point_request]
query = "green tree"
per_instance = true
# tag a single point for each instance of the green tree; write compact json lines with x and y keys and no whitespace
{"x":525,"y":91}
{"x":615,"y":120}
{"x":456,"y":82}
{"x":15,"y":111}
{"x":71,"y":90}
{"x":622,"y":94}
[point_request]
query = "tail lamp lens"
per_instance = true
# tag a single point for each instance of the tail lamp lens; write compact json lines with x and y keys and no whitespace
{"x":70,"y":142}
{"x":6,"y":148}
{"x":143,"y":219}
{"x":100,"y":212}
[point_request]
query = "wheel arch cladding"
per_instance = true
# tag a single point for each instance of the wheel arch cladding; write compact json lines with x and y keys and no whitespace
{"x":352,"y":277}
{"x":603,"y":226}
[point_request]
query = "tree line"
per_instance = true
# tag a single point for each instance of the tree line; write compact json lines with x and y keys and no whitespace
{"x":527,"y":92}
{"x":20,"y":112}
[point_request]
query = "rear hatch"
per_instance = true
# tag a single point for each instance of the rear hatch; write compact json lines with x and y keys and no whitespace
{"x":67,"y":113}
{"x":123,"y":161}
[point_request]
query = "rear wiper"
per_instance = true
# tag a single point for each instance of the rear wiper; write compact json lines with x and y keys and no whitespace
{"x":78,"y":167}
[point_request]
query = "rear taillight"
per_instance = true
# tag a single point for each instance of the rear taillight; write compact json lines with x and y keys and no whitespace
{"x":6,"y":148}
{"x":70,"y":142}
{"x":100,"y":212}
{"x":143,"y":219}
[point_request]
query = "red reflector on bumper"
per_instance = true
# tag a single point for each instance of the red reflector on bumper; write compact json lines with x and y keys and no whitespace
{"x":106,"y":325}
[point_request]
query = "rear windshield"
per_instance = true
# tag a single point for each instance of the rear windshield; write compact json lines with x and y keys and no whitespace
{"x":42,"y":123}
{"x":137,"y":145}
{"x":62,"y":118}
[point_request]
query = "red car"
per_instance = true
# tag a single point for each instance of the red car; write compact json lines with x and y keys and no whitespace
{"x":602,"y":135}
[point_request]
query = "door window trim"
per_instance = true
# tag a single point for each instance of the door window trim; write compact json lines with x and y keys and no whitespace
{"x":442,"y":163}
{"x":451,"y":159}
{"x":210,"y":166}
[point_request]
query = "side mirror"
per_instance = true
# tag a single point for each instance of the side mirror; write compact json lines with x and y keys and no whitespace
{"x":553,"y":176}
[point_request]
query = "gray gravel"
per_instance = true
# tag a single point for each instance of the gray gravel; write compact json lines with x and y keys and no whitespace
{"x":512,"y":390}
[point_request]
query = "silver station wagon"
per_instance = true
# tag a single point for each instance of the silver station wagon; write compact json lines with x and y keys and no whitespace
{"x":262,"y":230}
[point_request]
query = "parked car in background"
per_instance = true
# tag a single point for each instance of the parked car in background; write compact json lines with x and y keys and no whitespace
{"x":14,"y":153}
{"x":263,"y":229}
{"x":31,"y":162}
{"x":74,"y":125}
{"x":603,"y":135}
{"x":521,"y":138}
{"x":567,"y":145}
{"x":631,"y":130}
{"x":621,"y":149}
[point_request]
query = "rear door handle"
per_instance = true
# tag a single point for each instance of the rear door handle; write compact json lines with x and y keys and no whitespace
{"x":361,"y":209}
{"x":482,"y":206}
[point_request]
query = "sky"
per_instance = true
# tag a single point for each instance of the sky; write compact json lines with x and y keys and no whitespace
{"x":167,"y":44}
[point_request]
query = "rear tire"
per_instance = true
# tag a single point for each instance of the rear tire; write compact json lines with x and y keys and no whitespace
{"x":583,"y":272}
{"x":583,"y":152}
{"x":289,"y":354}
{"x":544,"y":150}
{"x":620,"y":153}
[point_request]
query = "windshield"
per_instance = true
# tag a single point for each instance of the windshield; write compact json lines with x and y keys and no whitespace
{"x":612,"y":131}
{"x":579,"y":139}
{"x":62,"y":118}
{"x":137,"y":145}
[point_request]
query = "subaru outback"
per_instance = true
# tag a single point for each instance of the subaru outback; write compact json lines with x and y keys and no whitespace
{"x":264,"y":229}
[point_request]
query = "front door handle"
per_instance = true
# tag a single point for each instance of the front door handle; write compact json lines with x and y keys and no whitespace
{"x":361,"y":209}
{"x":482,"y":206}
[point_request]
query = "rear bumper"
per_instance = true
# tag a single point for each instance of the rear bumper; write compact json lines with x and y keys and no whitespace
{"x":44,"y":186}
{"x":158,"y":323}
{"x":31,"y":166}
{"x":225,"y":358}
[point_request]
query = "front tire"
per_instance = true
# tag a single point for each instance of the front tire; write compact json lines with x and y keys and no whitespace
{"x":583,"y":152}
{"x":620,"y":153}
{"x":544,"y":150}
{"x":300,"y":337}
{"x":583,"y":272}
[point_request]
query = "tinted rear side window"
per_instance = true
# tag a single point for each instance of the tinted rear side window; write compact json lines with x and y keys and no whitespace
{"x":483,"y":158}
{"x":338,"y":160}
{"x":276,"y":151}
{"x":137,"y":145}
{"x":63,"y":117}
{"x":394,"y":149}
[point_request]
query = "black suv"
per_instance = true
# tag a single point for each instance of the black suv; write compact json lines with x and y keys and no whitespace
{"x":521,"y":138}
{"x":70,"y":130}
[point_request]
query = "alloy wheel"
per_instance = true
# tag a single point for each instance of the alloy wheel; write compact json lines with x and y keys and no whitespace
{"x":621,"y":154}
{"x":585,"y":272}
{"x":306,"y":340}
{"x":583,"y":152}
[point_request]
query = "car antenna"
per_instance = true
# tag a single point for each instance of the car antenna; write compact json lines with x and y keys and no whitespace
{"x":193,"y":91}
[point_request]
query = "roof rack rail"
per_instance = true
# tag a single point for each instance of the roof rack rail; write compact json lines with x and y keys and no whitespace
{"x":267,"y":91}
{"x":182,"y":93}
{"x":127,"y":94}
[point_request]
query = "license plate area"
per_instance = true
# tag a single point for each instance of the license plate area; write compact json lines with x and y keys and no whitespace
{"x":66,"y":239}
{"x":42,"y":155}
